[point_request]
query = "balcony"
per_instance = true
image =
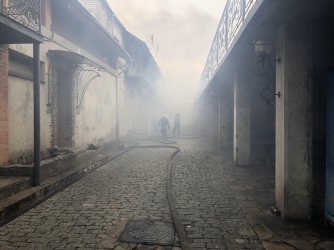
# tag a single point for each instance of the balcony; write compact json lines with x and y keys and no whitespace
{"x":25,"y":12}
{"x":138,"y":74}
{"x":101,"y":11}
{"x":235,"y":15}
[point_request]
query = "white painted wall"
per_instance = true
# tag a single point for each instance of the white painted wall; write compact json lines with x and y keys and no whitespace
{"x":20,"y":116}
{"x":97,"y":122}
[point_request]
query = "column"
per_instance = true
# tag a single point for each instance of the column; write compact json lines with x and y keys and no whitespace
{"x":294,"y":120}
{"x":37,"y":119}
{"x":241,"y":131}
{"x":215,"y":118}
{"x":210,"y":119}
{"x":223,"y":119}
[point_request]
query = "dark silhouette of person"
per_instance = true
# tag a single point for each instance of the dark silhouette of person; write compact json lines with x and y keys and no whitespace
{"x":163,"y":123}
{"x":177,"y":123}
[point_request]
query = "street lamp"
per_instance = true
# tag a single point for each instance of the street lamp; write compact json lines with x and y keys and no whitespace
{"x":263,"y":49}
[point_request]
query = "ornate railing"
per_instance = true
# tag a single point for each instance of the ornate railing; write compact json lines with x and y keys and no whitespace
{"x":25,"y":12}
{"x":232,"y":19}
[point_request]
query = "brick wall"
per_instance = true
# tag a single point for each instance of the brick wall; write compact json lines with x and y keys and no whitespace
{"x":3,"y":104}
{"x":46,"y":14}
{"x":65,"y":109}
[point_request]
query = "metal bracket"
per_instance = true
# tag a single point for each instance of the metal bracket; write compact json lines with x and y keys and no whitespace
{"x":86,"y":74}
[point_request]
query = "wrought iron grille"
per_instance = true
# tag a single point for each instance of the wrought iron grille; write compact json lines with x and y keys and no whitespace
{"x":25,"y":12}
{"x":86,"y":74}
{"x":231,"y":21}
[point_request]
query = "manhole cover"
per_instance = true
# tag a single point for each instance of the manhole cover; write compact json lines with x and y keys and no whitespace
{"x":148,"y":232}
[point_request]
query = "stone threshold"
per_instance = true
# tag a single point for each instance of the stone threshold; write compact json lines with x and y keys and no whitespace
{"x":28,"y":198}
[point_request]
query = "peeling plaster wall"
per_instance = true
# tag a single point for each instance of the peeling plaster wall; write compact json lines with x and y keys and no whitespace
{"x":126,"y":120}
{"x":20,"y":111}
{"x":97,"y":122}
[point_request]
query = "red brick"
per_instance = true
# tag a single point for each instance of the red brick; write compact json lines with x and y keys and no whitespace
{"x":46,"y":14}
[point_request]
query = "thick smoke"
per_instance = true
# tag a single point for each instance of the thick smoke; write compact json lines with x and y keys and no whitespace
{"x":184,"y":31}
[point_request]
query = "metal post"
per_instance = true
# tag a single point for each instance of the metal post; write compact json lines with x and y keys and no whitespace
{"x":226,"y":26}
{"x":242,"y":9}
{"x":112,"y":26}
{"x":219,"y":116}
{"x":37,"y":128}
{"x":117,"y":107}
{"x":217,"y":50}
{"x":39,"y":16}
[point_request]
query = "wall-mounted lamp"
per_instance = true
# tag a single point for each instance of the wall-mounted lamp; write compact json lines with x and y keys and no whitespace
{"x":263,"y":49}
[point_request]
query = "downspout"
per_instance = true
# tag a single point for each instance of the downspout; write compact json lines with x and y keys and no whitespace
{"x":117,"y":106}
{"x":37,"y":118}
{"x":117,"y":99}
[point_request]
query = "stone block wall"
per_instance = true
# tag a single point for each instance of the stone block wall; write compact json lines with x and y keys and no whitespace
{"x":3,"y":104}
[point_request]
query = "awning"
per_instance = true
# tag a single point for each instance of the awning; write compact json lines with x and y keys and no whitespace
{"x":76,"y":58}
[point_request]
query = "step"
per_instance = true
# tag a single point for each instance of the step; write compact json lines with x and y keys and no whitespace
{"x":50,"y":167}
{"x":10,"y":186}
{"x":33,"y":195}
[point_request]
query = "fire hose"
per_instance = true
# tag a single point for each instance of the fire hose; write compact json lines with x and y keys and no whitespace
{"x":175,"y":217}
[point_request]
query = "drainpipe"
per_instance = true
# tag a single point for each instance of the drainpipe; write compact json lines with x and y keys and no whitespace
{"x":117,"y":106}
{"x":117,"y":99}
{"x":37,"y":119}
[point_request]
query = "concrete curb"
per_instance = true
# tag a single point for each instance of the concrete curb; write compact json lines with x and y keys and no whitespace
{"x":23,"y":201}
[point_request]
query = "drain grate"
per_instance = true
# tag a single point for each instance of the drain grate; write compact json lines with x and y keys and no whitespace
{"x":148,"y":232}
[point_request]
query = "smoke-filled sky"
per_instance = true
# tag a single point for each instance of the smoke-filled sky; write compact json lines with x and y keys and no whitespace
{"x":183,"y":30}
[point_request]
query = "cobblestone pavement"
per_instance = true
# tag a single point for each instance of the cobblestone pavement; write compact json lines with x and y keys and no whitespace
{"x":254,"y":188}
{"x":205,"y":202}
{"x":91,"y":213}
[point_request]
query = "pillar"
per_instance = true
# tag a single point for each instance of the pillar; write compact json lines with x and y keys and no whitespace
{"x":4,"y":153}
{"x":223,"y":119}
{"x":241,"y":131}
{"x":37,"y":119}
{"x":208,"y":118}
{"x":215,"y":118}
{"x":65,"y":104}
{"x":294,"y":120}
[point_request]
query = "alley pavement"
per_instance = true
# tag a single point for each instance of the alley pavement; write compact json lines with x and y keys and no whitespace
{"x":91,"y":213}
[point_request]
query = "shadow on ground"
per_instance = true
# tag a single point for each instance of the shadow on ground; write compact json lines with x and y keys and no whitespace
{"x":254,"y":188}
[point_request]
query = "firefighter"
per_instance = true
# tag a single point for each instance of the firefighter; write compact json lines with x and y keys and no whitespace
{"x":177,"y":123}
{"x":163,"y":123}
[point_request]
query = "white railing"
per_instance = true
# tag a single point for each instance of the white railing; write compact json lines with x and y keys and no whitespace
{"x":235,"y":12}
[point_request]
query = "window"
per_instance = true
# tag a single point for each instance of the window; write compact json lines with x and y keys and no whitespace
{"x":21,"y":65}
